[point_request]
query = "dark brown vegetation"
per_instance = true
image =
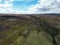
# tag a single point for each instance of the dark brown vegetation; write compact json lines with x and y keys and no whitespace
{"x":23,"y":29}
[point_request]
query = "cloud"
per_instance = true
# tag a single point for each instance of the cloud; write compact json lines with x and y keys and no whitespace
{"x":49,"y":6}
{"x":5,"y":5}
{"x":7,"y":8}
{"x":43,"y":6}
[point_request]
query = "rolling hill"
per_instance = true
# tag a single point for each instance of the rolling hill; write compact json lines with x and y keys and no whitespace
{"x":34,"y":29}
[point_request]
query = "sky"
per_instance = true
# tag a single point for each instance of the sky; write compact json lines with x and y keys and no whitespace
{"x":29,"y":6}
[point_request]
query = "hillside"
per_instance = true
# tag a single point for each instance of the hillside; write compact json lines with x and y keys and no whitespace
{"x":29,"y":30}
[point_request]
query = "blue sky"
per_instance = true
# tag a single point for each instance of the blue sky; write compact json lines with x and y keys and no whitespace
{"x":29,"y":6}
{"x":24,"y":4}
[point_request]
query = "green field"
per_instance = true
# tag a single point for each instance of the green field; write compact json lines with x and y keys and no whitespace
{"x":30,"y":30}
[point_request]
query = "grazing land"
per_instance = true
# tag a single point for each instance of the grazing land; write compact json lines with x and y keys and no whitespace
{"x":34,"y":29}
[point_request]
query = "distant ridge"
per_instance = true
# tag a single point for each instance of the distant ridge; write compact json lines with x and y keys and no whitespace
{"x":51,"y":14}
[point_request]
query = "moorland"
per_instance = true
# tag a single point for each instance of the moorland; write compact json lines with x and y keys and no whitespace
{"x":31,"y":29}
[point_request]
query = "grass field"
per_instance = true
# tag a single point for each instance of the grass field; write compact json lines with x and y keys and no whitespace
{"x":30,"y":30}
